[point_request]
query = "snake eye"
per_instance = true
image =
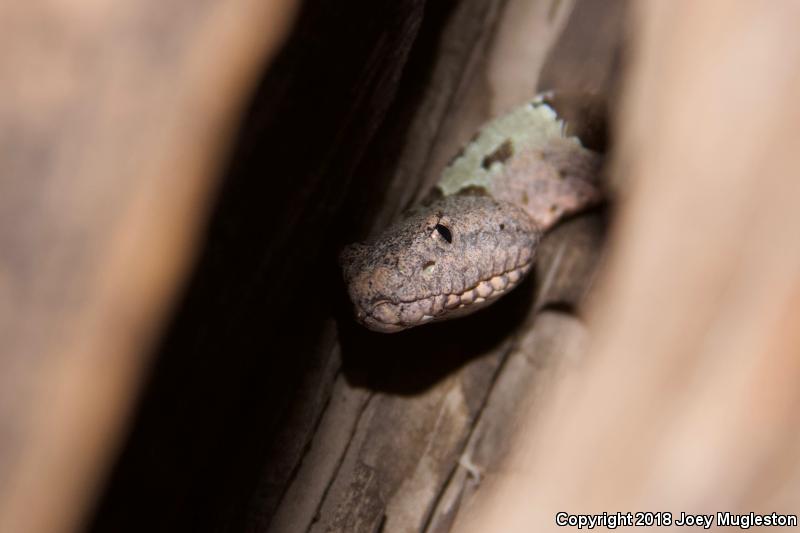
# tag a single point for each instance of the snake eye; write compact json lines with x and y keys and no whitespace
{"x":444,"y":232}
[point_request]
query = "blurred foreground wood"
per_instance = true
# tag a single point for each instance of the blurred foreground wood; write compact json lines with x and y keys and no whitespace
{"x":688,"y":400}
{"x":112,"y":127}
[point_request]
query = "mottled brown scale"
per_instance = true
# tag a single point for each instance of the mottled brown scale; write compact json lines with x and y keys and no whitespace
{"x":557,"y":180}
{"x":455,"y":254}
{"x":500,"y":155}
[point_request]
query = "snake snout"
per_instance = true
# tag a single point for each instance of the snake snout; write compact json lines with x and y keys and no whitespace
{"x":458,"y":256}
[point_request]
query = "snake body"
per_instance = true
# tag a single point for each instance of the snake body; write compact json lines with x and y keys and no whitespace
{"x":476,"y":236}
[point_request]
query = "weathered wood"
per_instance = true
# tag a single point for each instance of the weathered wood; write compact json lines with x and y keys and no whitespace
{"x":112,"y":125}
{"x":553,"y":341}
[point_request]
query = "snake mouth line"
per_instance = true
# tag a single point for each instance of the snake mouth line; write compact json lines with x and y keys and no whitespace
{"x":389,"y":317}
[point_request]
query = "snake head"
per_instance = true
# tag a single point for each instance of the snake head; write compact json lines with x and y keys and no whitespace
{"x":441,"y":261}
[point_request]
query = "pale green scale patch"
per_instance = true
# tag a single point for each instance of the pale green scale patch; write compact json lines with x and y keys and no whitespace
{"x":528,"y":126}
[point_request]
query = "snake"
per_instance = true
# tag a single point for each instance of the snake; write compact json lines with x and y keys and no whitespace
{"x":474,"y":237}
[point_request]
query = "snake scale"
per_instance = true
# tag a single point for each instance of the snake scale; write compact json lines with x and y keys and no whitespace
{"x":475,"y":236}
